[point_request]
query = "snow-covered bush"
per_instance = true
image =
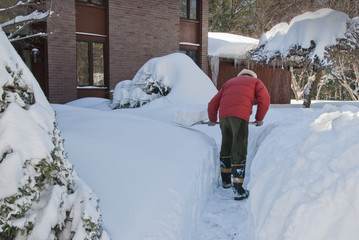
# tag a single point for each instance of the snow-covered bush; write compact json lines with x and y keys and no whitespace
{"x":167,"y":76}
{"x":41,"y":196}
{"x":141,"y":90}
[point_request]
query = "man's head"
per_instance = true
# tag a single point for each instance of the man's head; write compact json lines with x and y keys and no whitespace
{"x":248,"y":73}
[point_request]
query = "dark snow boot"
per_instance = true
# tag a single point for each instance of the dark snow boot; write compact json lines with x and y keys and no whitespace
{"x":226,"y":171}
{"x":239,"y":192}
{"x":238,"y":172}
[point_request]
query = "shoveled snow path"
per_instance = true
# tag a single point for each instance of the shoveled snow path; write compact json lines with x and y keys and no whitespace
{"x":223,"y":218}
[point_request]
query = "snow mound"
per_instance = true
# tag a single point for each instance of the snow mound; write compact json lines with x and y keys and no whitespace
{"x":226,"y":45}
{"x":322,"y":28}
{"x":174,"y":77}
{"x":306,"y":187}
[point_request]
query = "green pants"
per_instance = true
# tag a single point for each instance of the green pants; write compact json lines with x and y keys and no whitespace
{"x":234,"y":139}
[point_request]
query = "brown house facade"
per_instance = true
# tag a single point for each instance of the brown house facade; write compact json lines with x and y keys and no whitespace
{"x":94,"y":44}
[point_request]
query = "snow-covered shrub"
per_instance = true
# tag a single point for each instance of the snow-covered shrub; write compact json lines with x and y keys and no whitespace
{"x":165,"y":77}
{"x":41,"y":196}
{"x":143,"y":89}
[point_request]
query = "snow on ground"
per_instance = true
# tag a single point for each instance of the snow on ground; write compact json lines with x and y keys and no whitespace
{"x":306,"y":185}
{"x":164,"y":178}
{"x":159,"y":180}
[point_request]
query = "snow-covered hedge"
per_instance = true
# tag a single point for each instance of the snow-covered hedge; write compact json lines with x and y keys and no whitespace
{"x":167,"y":76}
{"x":143,"y":89}
{"x":41,"y":197}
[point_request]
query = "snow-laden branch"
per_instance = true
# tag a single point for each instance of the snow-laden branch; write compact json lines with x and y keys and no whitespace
{"x":36,"y":15}
{"x":41,"y":34}
{"x":19,"y":3}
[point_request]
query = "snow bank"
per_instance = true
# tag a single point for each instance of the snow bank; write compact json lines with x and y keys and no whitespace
{"x":165,"y":77}
{"x":153,"y":178}
{"x":302,"y":173}
{"x":323,"y":27}
{"x":306,"y":185}
{"x":226,"y":45}
{"x":40,"y":194}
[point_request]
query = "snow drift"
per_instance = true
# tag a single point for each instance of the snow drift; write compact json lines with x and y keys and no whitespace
{"x":306,"y":186}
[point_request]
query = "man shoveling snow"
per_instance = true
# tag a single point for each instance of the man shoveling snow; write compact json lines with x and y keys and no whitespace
{"x":234,"y":102}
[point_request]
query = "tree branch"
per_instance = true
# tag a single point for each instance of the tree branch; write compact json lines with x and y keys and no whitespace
{"x":41,"y":34}
{"x":36,"y":15}
{"x":19,"y":3}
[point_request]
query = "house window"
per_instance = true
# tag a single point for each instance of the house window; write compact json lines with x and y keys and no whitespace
{"x":192,"y":54}
{"x":189,"y":9}
{"x":96,"y":2}
{"x":90,"y":64}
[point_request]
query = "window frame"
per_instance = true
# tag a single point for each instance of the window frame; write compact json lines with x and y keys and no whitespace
{"x":90,"y":2}
{"x":188,"y":12}
{"x":91,"y":63}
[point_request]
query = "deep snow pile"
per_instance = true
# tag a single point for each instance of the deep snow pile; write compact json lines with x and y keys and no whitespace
{"x":168,"y":76}
{"x":41,"y":196}
{"x":311,"y":32}
{"x":162,"y":173}
{"x":302,"y":171}
{"x":306,"y":185}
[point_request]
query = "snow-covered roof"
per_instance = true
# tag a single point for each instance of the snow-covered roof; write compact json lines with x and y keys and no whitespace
{"x":322,"y":27}
{"x":226,"y":45}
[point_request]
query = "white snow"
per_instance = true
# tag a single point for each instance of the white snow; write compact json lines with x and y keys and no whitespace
{"x":175,"y":72}
{"x":227,"y":45}
{"x":323,"y":27}
{"x":28,"y":137}
{"x":159,"y":180}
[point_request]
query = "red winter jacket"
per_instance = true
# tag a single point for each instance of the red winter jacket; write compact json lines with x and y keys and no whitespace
{"x":236,"y":98}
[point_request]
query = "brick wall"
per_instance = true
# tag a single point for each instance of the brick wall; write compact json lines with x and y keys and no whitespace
{"x":204,"y":14}
{"x":61,"y":28}
{"x":139,"y":32}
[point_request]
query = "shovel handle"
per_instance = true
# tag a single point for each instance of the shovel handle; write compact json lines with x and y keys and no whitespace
{"x":251,"y":123}
{"x":208,"y":122}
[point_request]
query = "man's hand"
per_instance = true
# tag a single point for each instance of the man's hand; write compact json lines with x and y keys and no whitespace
{"x":259,"y":123}
{"x":211,"y":124}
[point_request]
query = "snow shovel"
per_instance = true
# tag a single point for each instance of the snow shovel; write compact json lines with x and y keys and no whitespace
{"x":189,"y":119}
{"x":251,"y":123}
